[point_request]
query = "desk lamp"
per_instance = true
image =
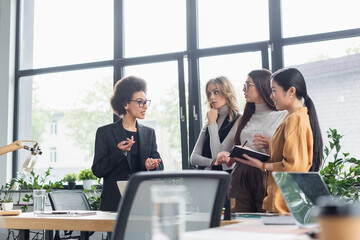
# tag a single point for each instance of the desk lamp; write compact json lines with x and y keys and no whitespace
{"x":30,"y":161}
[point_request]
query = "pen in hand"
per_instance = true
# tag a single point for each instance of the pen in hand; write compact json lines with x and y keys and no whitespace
{"x":241,"y":146}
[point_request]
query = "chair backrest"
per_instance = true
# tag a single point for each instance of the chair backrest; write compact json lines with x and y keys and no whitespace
{"x":205,"y":196}
{"x":69,"y":200}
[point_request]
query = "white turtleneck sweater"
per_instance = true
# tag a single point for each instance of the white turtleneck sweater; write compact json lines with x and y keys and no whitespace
{"x":263,"y":119}
{"x":215,"y":146}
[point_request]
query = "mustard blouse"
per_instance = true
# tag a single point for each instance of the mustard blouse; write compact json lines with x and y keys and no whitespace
{"x":291,"y":150}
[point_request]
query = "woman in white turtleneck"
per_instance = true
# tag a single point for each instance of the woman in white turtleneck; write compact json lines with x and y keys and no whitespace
{"x":219,"y":130}
{"x":255,"y":128}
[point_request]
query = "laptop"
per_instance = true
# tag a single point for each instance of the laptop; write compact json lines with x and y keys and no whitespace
{"x":300,"y":192}
{"x":122,"y":186}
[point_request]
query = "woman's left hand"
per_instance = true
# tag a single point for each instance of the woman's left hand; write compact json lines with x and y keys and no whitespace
{"x":260,"y":141}
{"x":250,"y":161}
{"x":152,"y":163}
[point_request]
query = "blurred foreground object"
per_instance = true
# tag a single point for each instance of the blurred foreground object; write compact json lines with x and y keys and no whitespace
{"x":30,"y":161}
{"x":339,"y":220}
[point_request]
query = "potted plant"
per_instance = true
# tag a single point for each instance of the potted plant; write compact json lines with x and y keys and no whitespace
{"x":88,"y":177}
{"x":7,"y":204}
{"x":93,"y":196}
{"x":7,"y":200}
{"x":70,"y":178}
{"x":342,"y":173}
{"x":31,"y":181}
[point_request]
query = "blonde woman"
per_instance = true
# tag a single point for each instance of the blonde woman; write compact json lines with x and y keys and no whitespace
{"x":220,"y":128}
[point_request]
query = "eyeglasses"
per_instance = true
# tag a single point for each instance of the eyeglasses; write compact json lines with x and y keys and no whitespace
{"x":247,"y":85}
{"x":142,"y":103}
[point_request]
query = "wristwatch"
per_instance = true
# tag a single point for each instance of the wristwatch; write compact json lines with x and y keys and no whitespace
{"x":263,"y":166}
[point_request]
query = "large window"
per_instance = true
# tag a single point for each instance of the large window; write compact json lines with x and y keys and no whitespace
{"x":332,"y":73}
{"x":62,"y":112}
{"x":230,"y":22}
{"x":234,"y":66}
{"x":320,"y":51}
{"x":70,"y":54}
{"x":64,"y":32}
{"x":304,"y":17}
{"x":163,"y":114}
{"x":154,"y":27}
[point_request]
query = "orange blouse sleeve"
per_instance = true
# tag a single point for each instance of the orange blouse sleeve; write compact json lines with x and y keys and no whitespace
{"x":298,"y":146}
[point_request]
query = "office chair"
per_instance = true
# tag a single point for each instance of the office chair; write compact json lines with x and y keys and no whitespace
{"x":69,"y":200}
{"x":205,"y":197}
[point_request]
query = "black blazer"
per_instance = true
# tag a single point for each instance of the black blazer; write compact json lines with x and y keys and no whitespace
{"x":113,"y":165}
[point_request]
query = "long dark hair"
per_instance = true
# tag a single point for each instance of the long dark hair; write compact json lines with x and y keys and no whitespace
{"x":291,"y":77}
{"x":261,"y":80}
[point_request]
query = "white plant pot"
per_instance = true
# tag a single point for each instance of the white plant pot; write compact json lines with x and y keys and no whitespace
{"x":7,"y":206}
{"x":87,"y":184}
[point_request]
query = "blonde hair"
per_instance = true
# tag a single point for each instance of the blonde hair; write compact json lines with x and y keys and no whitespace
{"x":226,"y":89}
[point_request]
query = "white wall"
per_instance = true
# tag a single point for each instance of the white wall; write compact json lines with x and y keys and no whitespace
{"x":7,"y":78}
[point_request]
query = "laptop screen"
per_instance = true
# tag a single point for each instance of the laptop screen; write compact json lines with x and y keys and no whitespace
{"x":300,"y":192}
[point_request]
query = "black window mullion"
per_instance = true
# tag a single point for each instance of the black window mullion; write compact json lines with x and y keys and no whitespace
{"x":183,"y":119}
{"x":265,"y":57}
{"x":275,"y":30}
{"x":322,"y":37}
{"x":16,"y":90}
{"x":193,"y":66}
{"x":118,"y":42}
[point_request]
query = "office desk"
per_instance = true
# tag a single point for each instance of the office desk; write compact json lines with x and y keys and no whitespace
{"x":101,"y":222}
{"x":250,"y":229}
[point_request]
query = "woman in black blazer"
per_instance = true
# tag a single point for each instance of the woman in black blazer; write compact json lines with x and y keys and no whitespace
{"x":124,"y":147}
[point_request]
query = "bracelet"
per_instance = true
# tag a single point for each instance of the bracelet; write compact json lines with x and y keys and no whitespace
{"x":263,"y":166}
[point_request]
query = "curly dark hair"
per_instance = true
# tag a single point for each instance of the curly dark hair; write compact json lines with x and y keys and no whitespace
{"x":123,"y":91}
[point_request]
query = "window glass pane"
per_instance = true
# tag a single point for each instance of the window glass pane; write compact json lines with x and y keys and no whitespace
{"x":333,"y":83}
{"x":229,"y":22}
{"x":163,"y":114}
{"x":62,"y":112}
{"x":64,"y":32}
{"x":304,"y":17}
{"x":235,"y":66}
{"x":317,"y":51}
{"x":154,"y":27}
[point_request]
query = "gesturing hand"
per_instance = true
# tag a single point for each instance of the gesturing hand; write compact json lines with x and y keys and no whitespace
{"x":223,"y":158}
{"x":126,"y":145}
{"x":152,"y":163}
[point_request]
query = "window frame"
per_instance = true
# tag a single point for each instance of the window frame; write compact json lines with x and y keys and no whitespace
{"x":191,"y":129}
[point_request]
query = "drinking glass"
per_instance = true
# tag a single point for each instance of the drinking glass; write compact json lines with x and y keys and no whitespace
{"x":168,"y":220}
{"x":256,"y":129}
{"x":39,"y":196}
